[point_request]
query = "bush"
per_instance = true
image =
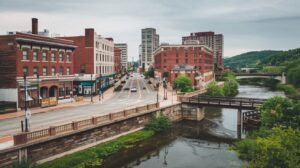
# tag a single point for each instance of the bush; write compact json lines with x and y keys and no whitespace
{"x":288,"y":89}
{"x":93,"y":157}
{"x":183,"y":83}
{"x":231,"y":87}
{"x":214,"y":90}
{"x":158,"y":124}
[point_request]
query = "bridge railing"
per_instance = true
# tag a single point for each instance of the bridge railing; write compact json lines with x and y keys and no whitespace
{"x":26,"y":137}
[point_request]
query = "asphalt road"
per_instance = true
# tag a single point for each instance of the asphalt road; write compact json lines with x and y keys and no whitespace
{"x":123,"y":99}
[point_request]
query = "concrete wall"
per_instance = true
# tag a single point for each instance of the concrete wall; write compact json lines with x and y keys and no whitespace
{"x":42,"y":150}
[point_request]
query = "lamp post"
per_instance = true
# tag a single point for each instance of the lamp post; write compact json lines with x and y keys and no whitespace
{"x":38,"y":87}
{"x":25,"y":102}
{"x":91,"y":87}
{"x":165,"y":86}
{"x":157,"y":86}
{"x":100,"y":89}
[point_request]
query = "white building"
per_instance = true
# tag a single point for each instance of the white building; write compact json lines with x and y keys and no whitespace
{"x":150,"y":42}
{"x":103,"y":56}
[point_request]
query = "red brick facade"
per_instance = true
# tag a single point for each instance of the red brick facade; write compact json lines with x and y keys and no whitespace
{"x":35,"y":55}
{"x":84,"y":52}
{"x":117,"y":59}
{"x":198,"y":56}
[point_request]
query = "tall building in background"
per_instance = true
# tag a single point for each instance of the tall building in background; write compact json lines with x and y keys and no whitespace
{"x":124,"y":53}
{"x":117,"y":55}
{"x":150,"y":42}
{"x":213,"y":41}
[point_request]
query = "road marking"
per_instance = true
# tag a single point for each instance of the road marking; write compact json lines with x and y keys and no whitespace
{"x":138,"y":86}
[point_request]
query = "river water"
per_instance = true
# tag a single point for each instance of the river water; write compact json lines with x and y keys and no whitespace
{"x":191,"y":144}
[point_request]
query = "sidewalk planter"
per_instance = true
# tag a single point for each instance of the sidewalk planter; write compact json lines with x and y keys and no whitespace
{"x":47,"y":102}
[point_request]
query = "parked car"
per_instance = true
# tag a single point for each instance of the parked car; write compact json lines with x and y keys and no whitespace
{"x":133,"y":89}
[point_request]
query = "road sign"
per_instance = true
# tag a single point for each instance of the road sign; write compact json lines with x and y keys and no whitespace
{"x":28,"y":113}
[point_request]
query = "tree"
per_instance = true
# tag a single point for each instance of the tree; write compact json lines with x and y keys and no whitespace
{"x":183,"y":83}
{"x":279,"y":148}
{"x":214,"y":90}
{"x":279,"y":111}
{"x":231,"y":87}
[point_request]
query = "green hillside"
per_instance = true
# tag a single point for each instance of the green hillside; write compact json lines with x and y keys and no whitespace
{"x":249,"y":59}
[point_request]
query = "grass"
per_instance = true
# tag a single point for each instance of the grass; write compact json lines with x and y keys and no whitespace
{"x":93,"y":157}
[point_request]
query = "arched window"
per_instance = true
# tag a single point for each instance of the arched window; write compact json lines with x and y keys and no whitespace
{"x":45,"y":73}
{"x":68,"y":57}
{"x":53,"y":71}
{"x":68,"y":71}
{"x":53,"y":57}
{"x":61,"y":71}
{"x":61,"y":57}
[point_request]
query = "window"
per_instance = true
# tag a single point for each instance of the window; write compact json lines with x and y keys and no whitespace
{"x":61,"y":71}
{"x":44,"y":56}
{"x":25,"y":55}
{"x":186,"y":61}
{"x":45,"y":73}
{"x":68,"y":71}
{"x":61,"y":58}
{"x":61,"y":92}
{"x":25,"y":71}
{"x":35,"y":71}
{"x":82,"y":68}
{"x":165,"y":61}
{"x":176,"y":61}
{"x":53,"y":71}
{"x":68,"y":58}
{"x":53,"y":57}
{"x":35,"y":55}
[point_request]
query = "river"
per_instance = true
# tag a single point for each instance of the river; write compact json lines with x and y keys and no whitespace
{"x":189,"y":144}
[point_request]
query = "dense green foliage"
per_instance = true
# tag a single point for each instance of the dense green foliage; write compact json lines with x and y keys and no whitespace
{"x":214,"y":90}
{"x":279,"y":111}
{"x":249,"y":59}
{"x":277,"y":142}
{"x":149,"y":73}
{"x":158,"y":124}
{"x":288,"y":62}
{"x":231,"y":87}
{"x":183,"y":83}
{"x":276,"y":148}
{"x":93,"y":157}
{"x":273,"y":69}
{"x":288,"y":89}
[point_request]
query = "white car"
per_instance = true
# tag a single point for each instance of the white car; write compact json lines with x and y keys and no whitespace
{"x":133,"y":89}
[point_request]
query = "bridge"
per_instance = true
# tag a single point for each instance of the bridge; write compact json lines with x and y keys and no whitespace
{"x":240,"y":103}
{"x":224,"y":102}
{"x":281,"y":77}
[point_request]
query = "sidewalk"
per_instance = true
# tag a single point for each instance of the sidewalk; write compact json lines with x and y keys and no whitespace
{"x":63,"y":104}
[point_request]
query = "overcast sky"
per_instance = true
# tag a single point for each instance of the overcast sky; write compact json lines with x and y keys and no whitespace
{"x":246,"y":24}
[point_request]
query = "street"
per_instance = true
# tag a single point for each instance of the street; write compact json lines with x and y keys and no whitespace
{"x":123,"y":99}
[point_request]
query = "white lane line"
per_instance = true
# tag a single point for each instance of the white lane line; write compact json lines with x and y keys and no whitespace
{"x":138,"y":86}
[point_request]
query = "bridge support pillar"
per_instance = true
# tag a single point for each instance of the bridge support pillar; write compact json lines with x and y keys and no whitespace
{"x":200,"y":113}
{"x":239,"y":124}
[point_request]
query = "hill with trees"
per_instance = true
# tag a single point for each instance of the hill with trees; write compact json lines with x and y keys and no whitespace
{"x":249,"y":59}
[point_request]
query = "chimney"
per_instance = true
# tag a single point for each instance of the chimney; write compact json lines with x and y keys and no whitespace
{"x":34,"y":26}
{"x":89,"y":37}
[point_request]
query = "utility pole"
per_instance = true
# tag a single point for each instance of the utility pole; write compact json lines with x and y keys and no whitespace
{"x":25,"y":95}
{"x":91,"y":87}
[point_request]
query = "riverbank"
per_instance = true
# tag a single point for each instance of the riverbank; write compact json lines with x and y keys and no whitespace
{"x":93,"y":157}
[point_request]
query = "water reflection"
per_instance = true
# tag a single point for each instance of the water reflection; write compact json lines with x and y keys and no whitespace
{"x":192,"y":144}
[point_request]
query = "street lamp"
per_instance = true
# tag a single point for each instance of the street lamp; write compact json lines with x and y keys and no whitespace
{"x":25,"y":100}
{"x":38,"y":87}
{"x":157,"y":87}
{"x":165,"y":87}
{"x":91,"y":87}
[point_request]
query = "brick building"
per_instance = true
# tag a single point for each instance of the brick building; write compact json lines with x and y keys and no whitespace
{"x":194,"y":60}
{"x":213,"y":41}
{"x":47,"y":63}
{"x":94,"y":55}
{"x":117,"y":55}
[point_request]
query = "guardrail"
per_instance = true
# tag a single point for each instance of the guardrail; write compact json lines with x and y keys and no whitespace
{"x":26,"y":137}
